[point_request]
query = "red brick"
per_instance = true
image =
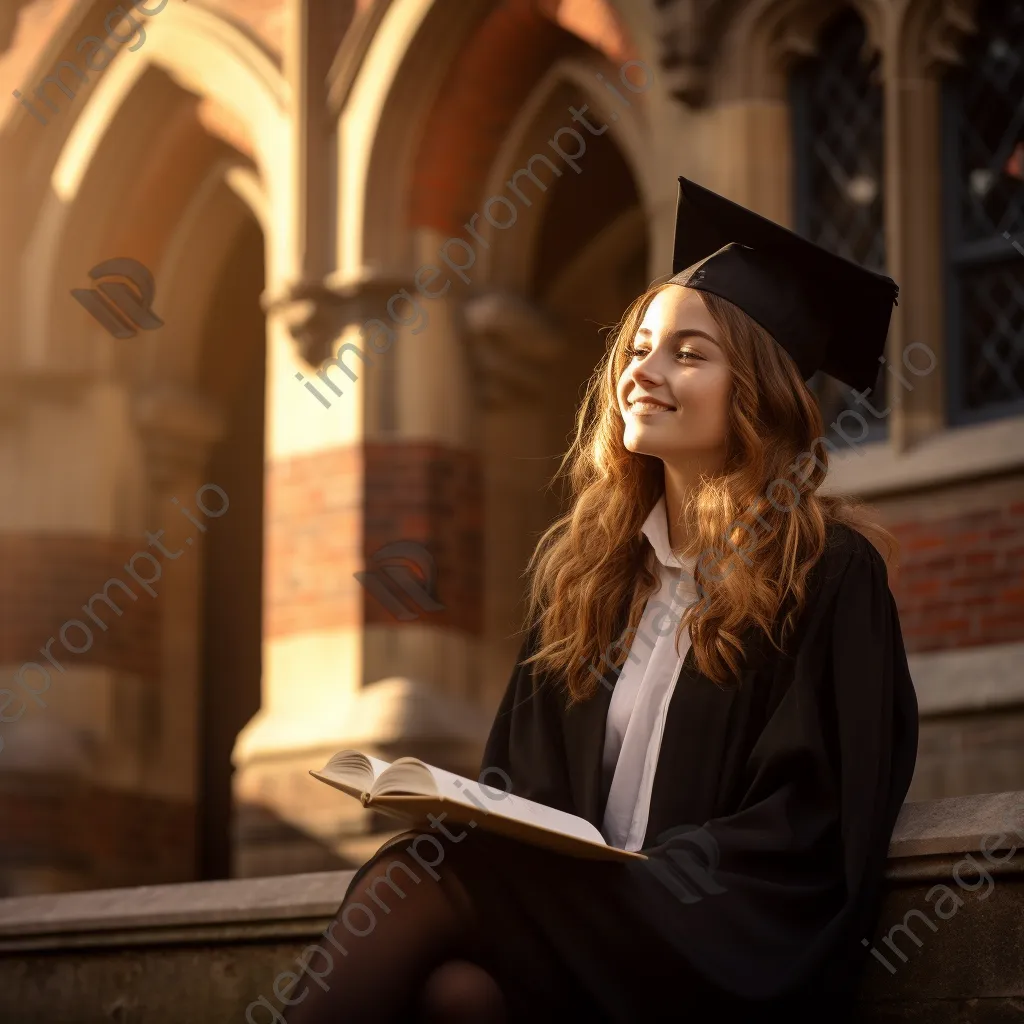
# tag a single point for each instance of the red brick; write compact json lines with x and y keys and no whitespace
{"x":906,"y":527}
{"x":970,"y":520}
{"x":46,"y":580}
{"x":973,"y":580}
{"x":1010,"y":618}
{"x":964,"y":539}
{"x":922,"y":588}
{"x":421,"y":492}
{"x":1013,"y":559}
{"x":1001,"y":532}
{"x":115,"y":837}
{"x":925,"y":542}
{"x":979,"y":557}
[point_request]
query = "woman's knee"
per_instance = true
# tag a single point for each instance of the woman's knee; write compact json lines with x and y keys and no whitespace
{"x":461,"y":992}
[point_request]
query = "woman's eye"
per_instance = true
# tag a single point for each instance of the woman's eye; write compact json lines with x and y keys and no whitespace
{"x":638,"y":353}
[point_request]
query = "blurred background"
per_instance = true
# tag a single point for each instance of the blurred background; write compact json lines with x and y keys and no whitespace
{"x":212,"y":577}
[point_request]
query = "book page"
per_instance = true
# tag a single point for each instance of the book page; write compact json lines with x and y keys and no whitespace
{"x":406,"y":776}
{"x":352,"y":771}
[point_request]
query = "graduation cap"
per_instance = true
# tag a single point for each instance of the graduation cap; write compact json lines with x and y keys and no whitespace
{"x":827,"y":312}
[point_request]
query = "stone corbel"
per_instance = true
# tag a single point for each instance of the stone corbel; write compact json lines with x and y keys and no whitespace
{"x":689,"y":33}
{"x":511,"y":344}
{"x":316,"y":313}
{"x":178,"y":428}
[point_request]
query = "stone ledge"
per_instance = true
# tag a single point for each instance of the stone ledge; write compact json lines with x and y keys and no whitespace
{"x":289,"y":906}
{"x":957,"y":825}
{"x":273,"y":907}
{"x":954,"y":455}
{"x":956,"y":680}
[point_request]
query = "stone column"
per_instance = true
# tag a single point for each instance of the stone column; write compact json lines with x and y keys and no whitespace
{"x":97,"y":714}
{"x":919,"y":53}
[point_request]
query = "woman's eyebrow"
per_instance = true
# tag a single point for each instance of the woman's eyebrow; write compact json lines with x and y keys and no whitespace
{"x":684,"y":332}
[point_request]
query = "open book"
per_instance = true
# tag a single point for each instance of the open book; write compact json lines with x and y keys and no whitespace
{"x":410,"y":789}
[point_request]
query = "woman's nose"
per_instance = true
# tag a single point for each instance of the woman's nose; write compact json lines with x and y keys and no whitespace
{"x":647,"y":371}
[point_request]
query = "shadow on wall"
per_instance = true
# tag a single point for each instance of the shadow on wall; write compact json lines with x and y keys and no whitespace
{"x":267,"y":844}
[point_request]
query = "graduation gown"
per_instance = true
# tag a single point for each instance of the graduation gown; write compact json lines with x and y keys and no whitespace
{"x":770,"y":817}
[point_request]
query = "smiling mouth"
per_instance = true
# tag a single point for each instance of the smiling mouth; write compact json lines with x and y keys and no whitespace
{"x":645,"y":406}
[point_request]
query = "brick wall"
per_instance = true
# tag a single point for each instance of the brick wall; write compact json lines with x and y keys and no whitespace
{"x":961,"y":577}
{"x":328,"y":513}
{"x":46,"y":578}
{"x":106,"y":837}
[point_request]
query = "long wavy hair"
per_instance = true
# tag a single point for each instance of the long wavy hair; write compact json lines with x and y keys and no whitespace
{"x":755,"y":530}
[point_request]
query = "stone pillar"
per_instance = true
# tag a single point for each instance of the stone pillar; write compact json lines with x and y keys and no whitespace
{"x":372,"y":489}
{"x":308,"y":51}
{"x":178,"y":429}
{"x":915,"y":60}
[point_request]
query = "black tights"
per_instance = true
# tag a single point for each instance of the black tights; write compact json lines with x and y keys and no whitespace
{"x":414,"y":963}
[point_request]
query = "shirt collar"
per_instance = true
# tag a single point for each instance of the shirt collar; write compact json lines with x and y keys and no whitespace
{"x":655,"y":529}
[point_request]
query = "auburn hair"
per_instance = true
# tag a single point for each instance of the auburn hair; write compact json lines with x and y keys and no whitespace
{"x":755,"y":530}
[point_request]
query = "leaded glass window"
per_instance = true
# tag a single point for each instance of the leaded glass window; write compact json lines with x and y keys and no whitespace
{"x":983,"y":183}
{"x":838,"y":188}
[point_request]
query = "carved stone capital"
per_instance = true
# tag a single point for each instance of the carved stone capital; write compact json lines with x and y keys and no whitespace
{"x":178,"y":427}
{"x":511,"y":344}
{"x":316,"y":313}
{"x":946,"y":26}
{"x":766,"y":38}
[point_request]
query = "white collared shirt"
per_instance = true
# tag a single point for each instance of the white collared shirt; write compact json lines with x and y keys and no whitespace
{"x":640,"y":699}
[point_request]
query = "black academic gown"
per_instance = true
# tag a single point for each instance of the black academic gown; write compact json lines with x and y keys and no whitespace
{"x":770,"y":817}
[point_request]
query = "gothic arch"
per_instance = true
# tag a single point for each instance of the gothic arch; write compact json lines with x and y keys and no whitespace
{"x":135,"y":106}
{"x":505,"y":259}
{"x":399,"y":81}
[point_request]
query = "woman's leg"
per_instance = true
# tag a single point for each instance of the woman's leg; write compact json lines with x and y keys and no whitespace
{"x":405,"y":940}
{"x":461,"y":992}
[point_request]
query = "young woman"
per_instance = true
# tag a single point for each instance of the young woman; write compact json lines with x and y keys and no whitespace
{"x":713,"y":674}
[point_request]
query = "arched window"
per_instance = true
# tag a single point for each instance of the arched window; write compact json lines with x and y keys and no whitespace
{"x":838,"y":185}
{"x":983,"y":186}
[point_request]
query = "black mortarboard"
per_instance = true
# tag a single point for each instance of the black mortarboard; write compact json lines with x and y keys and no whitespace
{"x":827,"y":312}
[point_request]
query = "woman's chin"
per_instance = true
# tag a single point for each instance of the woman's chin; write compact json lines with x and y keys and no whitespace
{"x":640,"y":445}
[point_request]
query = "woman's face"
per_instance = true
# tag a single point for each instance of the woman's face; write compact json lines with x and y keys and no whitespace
{"x":674,"y":391}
